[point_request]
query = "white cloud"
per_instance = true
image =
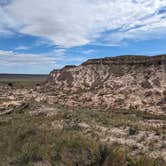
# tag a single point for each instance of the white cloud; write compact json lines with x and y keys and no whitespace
{"x":22,"y":48}
{"x":36,"y":63}
{"x":87,"y":52}
{"x":4,"y":2}
{"x":69,"y":23}
{"x":6,"y":22}
{"x":11,"y":58}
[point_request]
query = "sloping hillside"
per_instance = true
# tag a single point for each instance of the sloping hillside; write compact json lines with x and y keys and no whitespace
{"x":137,"y":82}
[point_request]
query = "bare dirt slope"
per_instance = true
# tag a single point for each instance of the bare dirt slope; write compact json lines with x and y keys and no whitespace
{"x":137,"y":82}
{"x":87,"y":115}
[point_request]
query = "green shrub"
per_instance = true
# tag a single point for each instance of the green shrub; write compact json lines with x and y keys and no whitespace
{"x":30,"y":152}
{"x":145,"y":161}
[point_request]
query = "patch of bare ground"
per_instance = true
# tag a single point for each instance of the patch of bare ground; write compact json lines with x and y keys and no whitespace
{"x":43,"y":127}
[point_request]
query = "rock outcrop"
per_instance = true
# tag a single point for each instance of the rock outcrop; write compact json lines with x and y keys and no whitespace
{"x":126,"y":82}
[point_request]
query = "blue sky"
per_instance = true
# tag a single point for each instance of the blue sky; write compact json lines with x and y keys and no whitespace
{"x":37,"y":36}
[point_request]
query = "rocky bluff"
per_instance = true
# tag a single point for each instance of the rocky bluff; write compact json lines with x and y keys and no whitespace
{"x":125,"y":82}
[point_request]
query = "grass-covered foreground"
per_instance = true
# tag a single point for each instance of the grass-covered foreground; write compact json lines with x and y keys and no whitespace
{"x":40,"y":140}
{"x":39,"y":133}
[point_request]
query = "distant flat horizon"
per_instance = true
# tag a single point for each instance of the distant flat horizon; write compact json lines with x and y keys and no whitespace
{"x":45,"y":74}
{"x":21,"y":74}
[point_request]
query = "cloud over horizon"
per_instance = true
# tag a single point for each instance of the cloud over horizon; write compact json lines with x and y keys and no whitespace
{"x":79,"y":22}
{"x":44,"y":62}
{"x":39,"y":35}
{"x":14,"y":58}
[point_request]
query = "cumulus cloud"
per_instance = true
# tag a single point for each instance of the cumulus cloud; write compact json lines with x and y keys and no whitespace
{"x":69,"y":23}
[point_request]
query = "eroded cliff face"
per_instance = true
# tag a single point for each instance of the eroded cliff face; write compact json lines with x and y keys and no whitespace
{"x":137,"y":82}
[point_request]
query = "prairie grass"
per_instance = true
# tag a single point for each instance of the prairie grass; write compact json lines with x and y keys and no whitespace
{"x":28,"y":140}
